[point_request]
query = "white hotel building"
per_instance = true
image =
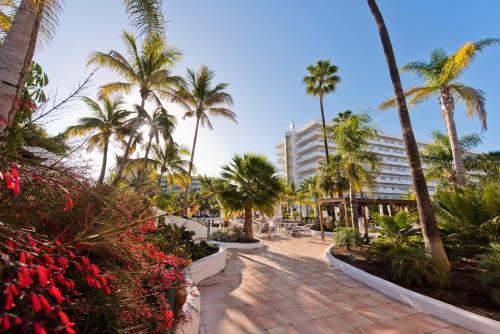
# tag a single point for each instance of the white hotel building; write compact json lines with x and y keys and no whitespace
{"x":301,"y":151}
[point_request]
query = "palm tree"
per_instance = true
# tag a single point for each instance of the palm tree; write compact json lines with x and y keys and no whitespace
{"x":438,"y":157}
{"x":147,"y":70}
{"x":440,"y":76}
{"x":322,"y":81}
{"x":160,"y":124}
{"x":332,"y":178}
{"x":39,"y":18}
{"x":433,"y":244}
{"x":352,"y":133}
{"x":200,"y":99}
{"x":108,"y":119}
{"x":251,"y":183}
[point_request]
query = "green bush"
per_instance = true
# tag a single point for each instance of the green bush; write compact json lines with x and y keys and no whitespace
{"x":346,"y":237}
{"x":379,"y":250}
{"x":488,"y":270}
{"x":411,"y":266}
{"x":230,"y":234}
{"x":397,"y":228}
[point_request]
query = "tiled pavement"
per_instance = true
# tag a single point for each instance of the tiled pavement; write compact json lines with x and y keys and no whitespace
{"x":286,"y":287}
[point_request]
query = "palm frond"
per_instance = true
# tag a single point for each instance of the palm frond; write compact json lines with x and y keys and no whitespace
{"x":474,"y":99}
{"x":146,"y":15}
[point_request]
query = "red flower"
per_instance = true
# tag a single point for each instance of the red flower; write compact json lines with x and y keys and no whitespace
{"x":45,"y":303}
{"x":70,"y":330}
{"x":9,"y":300}
{"x":22,"y":257}
{"x":68,"y":204}
{"x":95,"y":270}
{"x":39,"y":329}
{"x":42,"y":275}
{"x":64,"y":317}
{"x":18,"y":320}
{"x":56,"y":293}
{"x":6,"y":322}
{"x":24,"y":277}
{"x":37,"y":307}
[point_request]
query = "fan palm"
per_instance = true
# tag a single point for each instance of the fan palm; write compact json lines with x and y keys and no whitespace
{"x":108,"y":119}
{"x":440,"y":76}
{"x":200,"y":99}
{"x":433,"y":244}
{"x":438,"y":157}
{"x":352,"y":133}
{"x":322,"y":81}
{"x":251,"y":183}
{"x":35,"y":19}
{"x":147,"y":70}
{"x":160,"y":124}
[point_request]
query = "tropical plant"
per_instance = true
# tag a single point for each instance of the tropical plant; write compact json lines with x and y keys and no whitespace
{"x":170,"y":162}
{"x":251,"y":183}
{"x":433,"y":245}
{"x":200,"y":99}
{"x":312,"y":186}
{"x":440,"y":76}
{"x":352,"y":133}
{"x":332,"y":177}
{"x":488,"y":270}
{"x":147,"y":70}
{"x":346,"y":237}
{"x":107,"y":120}
{"x":322,"y":81}
{"x":469,"y":217}
{"x":396,"y":228}
{"x":231,"y":234}
{"x":39,"y":18}
{"x":438,"y":157}
{"x":161,"y":126}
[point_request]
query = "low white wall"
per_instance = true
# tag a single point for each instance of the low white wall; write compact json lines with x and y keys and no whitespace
{"x":192,"y":309}
{"x":200,"y":230}
{"x":240,"y":245}
{"x":316,"y":233}
{"x":207,"y":266}
{"x":425,"y":304}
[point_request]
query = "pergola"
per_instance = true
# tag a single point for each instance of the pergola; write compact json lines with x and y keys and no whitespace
{"x":390,"y":206}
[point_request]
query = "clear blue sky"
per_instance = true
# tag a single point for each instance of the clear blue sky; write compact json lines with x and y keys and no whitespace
{"x":261,"y":48}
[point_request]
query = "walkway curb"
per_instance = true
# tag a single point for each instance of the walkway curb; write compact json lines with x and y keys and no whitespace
{"x":240,"y":245}
{"x":422,"y":303}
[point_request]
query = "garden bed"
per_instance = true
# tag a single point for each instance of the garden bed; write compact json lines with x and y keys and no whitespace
{"x":465,"y":291}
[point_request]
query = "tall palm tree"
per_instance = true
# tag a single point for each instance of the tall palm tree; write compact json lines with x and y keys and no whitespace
{"x":108,"y":119}
{"x":430,"y":230}
{"x":332,"y":178}
{"x":147,"y":71}
{"x":39,"y":18}
{"x":200,"y":99}
{"x":322,"y":81}
{"x":438,"y":157}
{"x":251,"y":183}
{"x":161,"y":125}
{"x":352,"y":133}
{"x":440,"y":76}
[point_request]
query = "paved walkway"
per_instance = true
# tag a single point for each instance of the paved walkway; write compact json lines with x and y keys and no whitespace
{"x":286,"y":287}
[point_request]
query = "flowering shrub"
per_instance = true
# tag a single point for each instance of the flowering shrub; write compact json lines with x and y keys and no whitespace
{"x":41,"y":280}
{"x":101,"y":275}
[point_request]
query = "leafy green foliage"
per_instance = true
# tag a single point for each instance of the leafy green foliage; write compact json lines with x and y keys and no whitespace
{"x":489,"y":271}
{"x":322,"y":79}
{"x":346,"y":237}
{"x":231,"y":234}
{"x":397,"y":228}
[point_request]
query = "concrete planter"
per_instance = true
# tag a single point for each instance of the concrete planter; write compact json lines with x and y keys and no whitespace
{"x":422,"y":303}
{"x":191,"y":309}
{"x":240,"y":245}
{"x":318,"y":233}
{"x":207,"y":266}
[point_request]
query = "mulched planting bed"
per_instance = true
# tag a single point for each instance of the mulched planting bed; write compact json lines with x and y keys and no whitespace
{"x":465,"y":291}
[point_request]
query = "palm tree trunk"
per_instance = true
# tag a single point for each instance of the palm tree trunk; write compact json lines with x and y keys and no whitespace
{"x":324,"y":127}
{"x":192,"y":158}
{"x":142,"y":171}
{"x":447,"y":107}
{"x":433,"y":244}
{"x":137,"y":122}
{"x":16,"y":55}
{"x":104,"y":161}
{"x":247,"y":226}
{"x":160,"y":177}
{"x":354,"y":207}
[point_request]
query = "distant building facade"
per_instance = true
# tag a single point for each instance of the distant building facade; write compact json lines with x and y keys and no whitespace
{"x":301,"y":151}
{"x":195,"y":185}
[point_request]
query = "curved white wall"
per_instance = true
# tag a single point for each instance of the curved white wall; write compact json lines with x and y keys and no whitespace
{"x":424,"y":304}
{"x":316,"y":233}
{"x":207,"y":266}
{"x":192,"y":309}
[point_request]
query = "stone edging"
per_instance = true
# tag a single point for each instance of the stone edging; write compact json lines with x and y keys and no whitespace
{"x":422,"y":303}
{"x":318,"y":233}
{"x":240,"y":245}
{"x":192,"y":309}
{"x":207,"y":266}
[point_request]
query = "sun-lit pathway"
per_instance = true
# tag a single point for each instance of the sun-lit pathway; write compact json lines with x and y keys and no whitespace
{"x":286,"y":287}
